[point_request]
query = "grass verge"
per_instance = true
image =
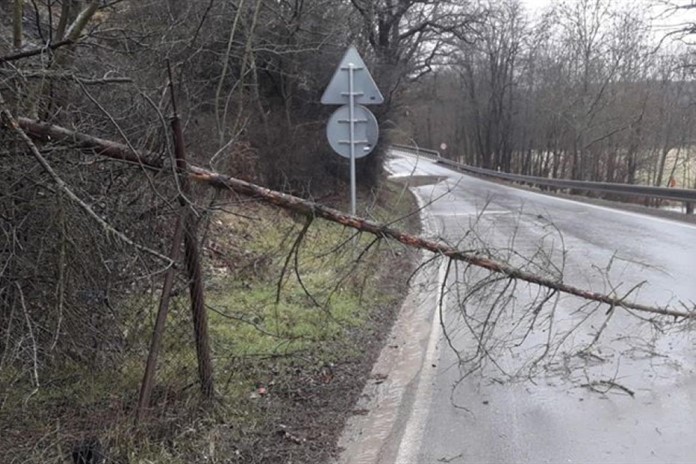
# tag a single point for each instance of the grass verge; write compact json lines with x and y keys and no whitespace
{"x":297,"y":313}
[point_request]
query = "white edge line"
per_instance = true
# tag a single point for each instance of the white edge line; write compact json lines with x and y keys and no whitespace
{"x":604,"y":208}
{"x":413,"y":433}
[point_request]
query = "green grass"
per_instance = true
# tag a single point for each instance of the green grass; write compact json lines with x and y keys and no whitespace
{"x":256,"y":318}
{"x":259,"y":335}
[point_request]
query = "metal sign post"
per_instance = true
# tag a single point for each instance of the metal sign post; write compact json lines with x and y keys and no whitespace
{"x":352,"y":135}
{"x":351,"y":110}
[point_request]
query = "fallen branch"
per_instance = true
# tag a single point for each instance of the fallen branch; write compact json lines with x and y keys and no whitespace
{"x":311,"y":209}
{"x":7,"y":120}
{"x":108,"y":148}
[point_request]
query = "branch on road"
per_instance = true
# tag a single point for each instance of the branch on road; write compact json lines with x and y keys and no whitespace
{"x":607,"y":385}
{"x":309,"y":208}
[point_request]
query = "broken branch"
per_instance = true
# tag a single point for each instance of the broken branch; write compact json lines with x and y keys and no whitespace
{"x":9,"y":121}
{"x":309,"y":208}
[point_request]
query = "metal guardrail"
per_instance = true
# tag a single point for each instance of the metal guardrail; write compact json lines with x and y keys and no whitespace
{"x":418,"y":151}
{"x":665,"y":193}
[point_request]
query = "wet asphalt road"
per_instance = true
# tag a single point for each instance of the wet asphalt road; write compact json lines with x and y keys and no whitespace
{"x":500,"y":418}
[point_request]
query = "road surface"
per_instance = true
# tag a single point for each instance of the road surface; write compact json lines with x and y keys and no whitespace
{"x":630,"y":397}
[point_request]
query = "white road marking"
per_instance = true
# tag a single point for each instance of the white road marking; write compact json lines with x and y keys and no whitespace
{"x":470,"y":213}
{"x":604,"y":208}
{"x":415,"y":424}
{"x":621,"y":211}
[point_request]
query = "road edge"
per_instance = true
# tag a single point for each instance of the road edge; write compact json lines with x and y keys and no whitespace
{"x":394,"y":402}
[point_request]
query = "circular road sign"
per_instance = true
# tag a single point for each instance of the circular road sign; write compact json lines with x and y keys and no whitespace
{"x":366,"y":131}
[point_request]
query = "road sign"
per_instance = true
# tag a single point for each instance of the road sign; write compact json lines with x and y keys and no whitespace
{"x":366,"y":131}
{"x":352,"y":129}
{"x":366,"y":91}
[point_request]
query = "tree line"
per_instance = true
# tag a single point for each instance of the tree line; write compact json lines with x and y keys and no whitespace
{"x":587,"y":90}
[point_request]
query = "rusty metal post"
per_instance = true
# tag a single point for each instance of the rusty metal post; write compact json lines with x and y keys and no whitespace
{"x":158,"y":331}
{"x":192,"y":255}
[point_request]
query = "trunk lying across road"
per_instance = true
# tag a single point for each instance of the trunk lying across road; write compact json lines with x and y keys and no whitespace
{"x":121,"y":152}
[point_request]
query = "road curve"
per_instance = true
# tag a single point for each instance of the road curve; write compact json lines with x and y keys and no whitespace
{"x":632,"y":399}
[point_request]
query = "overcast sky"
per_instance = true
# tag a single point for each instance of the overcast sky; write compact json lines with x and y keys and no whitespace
{"x":535,"y":4}
{"x":664,"y":20}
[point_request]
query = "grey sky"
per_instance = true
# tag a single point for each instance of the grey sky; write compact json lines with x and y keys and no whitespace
{"x":664,"y":18}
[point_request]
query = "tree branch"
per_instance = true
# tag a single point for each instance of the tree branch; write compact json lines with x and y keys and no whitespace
{"x":34,"y":51}
{"x":311,"y":209}
{"x":8,"y":120}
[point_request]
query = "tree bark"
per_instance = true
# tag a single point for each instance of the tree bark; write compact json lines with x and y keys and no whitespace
{"x":82,"y":20}
{"x":33,"y":51}
{"x":17,"y":24}
{"x":310,"y":208}
{"x":192,"y":255}
{"x":67,"y":16}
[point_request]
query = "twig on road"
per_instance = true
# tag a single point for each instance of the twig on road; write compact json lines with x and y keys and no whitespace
{"x":608,"y":384}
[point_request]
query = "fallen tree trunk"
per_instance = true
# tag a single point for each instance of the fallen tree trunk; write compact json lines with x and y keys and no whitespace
{"x":309,"y":208}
